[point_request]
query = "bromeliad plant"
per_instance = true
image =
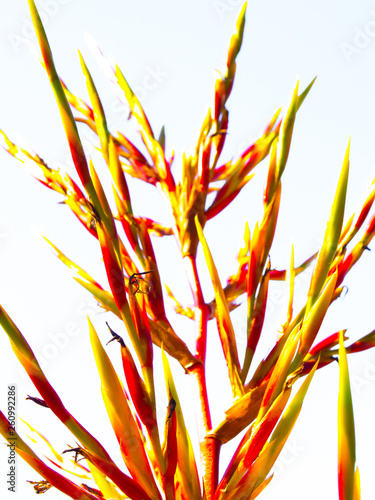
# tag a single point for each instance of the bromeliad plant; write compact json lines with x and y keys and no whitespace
{"x":264,"y":407}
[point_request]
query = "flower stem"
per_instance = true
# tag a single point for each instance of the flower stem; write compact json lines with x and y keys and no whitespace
{"x":210,"y":448}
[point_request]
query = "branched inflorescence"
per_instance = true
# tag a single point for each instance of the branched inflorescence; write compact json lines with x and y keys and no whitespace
{"x":263,"y":405}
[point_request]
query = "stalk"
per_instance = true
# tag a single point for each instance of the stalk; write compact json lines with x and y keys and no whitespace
{"x":209,"y":447}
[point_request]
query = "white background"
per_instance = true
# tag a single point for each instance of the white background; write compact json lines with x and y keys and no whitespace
{"x":183,"y":43}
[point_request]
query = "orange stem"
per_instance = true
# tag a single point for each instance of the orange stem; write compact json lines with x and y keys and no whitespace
{"x":210,"y":447}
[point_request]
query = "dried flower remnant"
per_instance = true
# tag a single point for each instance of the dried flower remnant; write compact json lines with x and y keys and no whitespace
{"x":136,"y":280}
{"x":77,"y":452}
{"x":40,"y":486}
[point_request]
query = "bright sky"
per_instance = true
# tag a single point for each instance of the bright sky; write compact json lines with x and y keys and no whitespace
{"x":169,"y":52}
